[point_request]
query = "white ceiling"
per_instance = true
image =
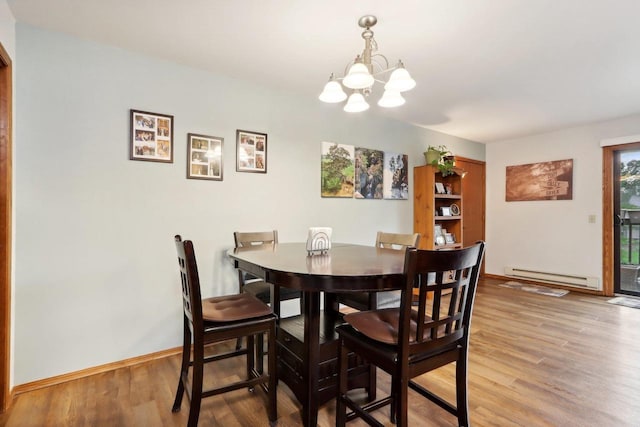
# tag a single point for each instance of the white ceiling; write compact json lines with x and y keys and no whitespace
{"x":487,"y":70}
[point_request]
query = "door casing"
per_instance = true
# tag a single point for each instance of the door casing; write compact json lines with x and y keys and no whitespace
{"x":5,"y":225}
{"x":608,"y":209}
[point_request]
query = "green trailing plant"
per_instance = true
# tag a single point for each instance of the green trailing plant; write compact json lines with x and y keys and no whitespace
{"x":441,"y":157}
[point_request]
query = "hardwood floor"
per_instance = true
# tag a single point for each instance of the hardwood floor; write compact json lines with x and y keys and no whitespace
{"x":534,"y":361}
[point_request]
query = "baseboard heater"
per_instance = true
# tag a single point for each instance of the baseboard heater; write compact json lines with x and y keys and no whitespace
{"x":577,"y":281}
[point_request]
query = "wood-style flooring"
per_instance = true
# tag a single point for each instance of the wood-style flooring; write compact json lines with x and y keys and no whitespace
{"x":534,"y":361}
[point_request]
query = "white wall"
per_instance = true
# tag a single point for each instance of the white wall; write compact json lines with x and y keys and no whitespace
{"x":8,"y":40}
{"x":7,"y":29}
{"x":550,"y":236}
{"x":95,"y":262}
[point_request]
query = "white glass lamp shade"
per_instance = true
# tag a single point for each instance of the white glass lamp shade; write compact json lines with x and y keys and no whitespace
{"x":358,"y":77}
{"x":356,"y":103}
{"x":332,"y":92}
{"x":400,"y":80}
{"x":390,"y":99}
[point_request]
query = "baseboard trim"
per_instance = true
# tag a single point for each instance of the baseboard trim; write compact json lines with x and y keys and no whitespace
{"x":549,"y":285}
{"x":58,"y":379}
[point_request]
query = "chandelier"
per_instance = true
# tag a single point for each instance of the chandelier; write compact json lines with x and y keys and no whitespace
{"x":363,"y":72}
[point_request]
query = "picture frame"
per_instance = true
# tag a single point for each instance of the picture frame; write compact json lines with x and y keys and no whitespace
{"x":251,"y":151}
{"x":440,"y":188}
{"x":551,"y":180}
{"x":337,"y":168}
{"x":455,"y":209}
{"x":204,"y":157}
{"x":449,"y":239}
{"x":151,"y":137}
{"x":445,"y":211}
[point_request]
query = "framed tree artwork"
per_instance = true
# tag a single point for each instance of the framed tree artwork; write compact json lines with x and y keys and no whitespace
{"x":151,"y":137}
{"x":204,"y":157}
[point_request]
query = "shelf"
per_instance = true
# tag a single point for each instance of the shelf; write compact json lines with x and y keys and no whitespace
{"x":449,"y":246}
{"x":427,"y":205}
{"x":446,"y":217}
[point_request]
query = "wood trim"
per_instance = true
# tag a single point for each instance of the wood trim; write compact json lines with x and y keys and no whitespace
{"x":35,"y":385}
{"x":608,"y":261}
{"x":6,"y":105}
{"x":534,"y":282}
{"x":466,"y":159}
{"x":470,"y":192}
{"x":608,"y":252}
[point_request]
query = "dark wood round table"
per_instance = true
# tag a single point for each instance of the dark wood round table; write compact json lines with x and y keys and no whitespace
{"x":303,"y":349}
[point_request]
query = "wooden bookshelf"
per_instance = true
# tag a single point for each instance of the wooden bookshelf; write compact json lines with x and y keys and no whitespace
{"x":428,"y":205}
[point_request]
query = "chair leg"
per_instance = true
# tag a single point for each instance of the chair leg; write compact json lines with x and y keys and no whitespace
{"x":399,"y":401}
{"x":341,"y":408}
{"x":250,"y":357}
{"x":196,"y":384}
{"x":272,"y":348}
{"x":239,"y":343}
{"x":260,"y":353}
{"x":393,"y":415}
{"x":402,"y":390}
{"x":462,"y":402}
{"x":395,"y":398}
{"x":371,"y":392}
{"x":184,"y":366}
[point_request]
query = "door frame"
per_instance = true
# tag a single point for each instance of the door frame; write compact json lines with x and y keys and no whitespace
{"x":483,"y":165}
{"x":608,"y":207}
{"x":6,"y":168}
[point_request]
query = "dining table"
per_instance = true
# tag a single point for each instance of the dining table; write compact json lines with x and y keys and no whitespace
{"x":307,"y":343}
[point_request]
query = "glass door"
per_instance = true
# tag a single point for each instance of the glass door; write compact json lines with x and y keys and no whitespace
{"x":627,"y":220}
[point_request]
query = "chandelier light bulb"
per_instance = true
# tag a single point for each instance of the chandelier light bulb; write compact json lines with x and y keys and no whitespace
{"x":390,"y":99}
{"x":356,"y":103}
{"x":358,"y":77}
{"x":332,"y":92}
{"x":400,"y":80}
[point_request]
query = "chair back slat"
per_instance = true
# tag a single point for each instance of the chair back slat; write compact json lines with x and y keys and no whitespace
{"x":255,"y":238}
{"x":191,"y":296}
{"x":252,"y":238}
{"x":447,"y":283}
{"x":396,"y":241}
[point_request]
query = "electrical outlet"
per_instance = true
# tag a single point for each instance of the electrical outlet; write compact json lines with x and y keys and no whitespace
{"x":592,"y":219}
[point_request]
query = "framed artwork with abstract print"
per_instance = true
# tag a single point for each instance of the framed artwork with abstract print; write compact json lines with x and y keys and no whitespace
{"x":151,"y":137}
{"x":251,"y":151}
{"x":204,"y":157}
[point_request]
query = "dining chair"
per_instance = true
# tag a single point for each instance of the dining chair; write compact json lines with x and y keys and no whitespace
{"x":406,"y":342}
{"x":374,"y":300}
{"x":212,"y":320}
{"x":254,"y":285}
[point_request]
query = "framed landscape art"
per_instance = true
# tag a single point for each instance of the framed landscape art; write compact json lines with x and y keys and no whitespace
{"x":369,"y":173}
{"x":396,"y":176}
{"x":204,"y":157}
{"x":363,"y":173}
{"x":337,"y":170}
{"x":151,"y":137}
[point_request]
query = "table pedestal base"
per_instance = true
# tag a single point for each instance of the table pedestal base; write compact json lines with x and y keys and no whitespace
{"x":291,"y":369}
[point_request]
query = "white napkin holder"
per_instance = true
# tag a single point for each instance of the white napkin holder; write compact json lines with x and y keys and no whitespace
{"x":319,"y":240}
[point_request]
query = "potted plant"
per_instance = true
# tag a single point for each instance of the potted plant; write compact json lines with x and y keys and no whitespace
{"x":441,"y":157}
